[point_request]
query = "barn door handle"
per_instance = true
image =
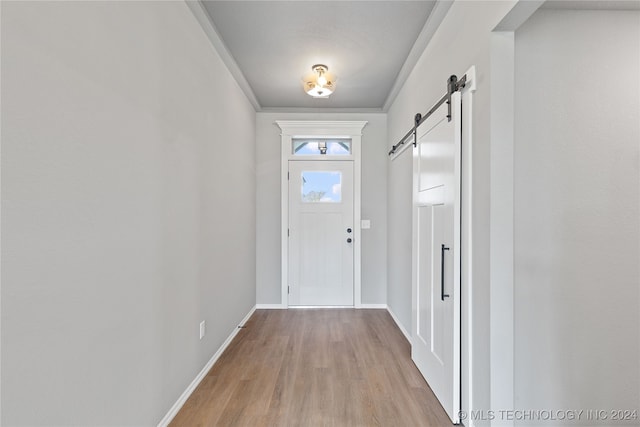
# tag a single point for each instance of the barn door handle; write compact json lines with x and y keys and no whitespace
{"x":442,"y":294}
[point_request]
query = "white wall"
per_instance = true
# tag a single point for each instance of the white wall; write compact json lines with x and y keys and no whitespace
{"x":128,"y":209}
{"x":462,"y":40}
{"x":374,"y":201}
{"x":577,"y":212}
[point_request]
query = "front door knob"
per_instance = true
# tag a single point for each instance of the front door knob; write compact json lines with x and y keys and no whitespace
{"x":349,"y":240}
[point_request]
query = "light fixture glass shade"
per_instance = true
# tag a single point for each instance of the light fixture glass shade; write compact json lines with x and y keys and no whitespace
{"x":320,"y":83}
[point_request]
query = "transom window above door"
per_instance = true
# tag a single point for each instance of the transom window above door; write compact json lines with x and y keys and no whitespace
{"x":321,"y":146}
{"x":320,"y":199}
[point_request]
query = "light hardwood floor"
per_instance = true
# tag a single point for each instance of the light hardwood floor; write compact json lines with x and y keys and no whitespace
{"x":315,"y":367}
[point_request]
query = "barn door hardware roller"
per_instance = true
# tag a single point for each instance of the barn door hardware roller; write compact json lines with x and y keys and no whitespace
{"x":453,"y":85}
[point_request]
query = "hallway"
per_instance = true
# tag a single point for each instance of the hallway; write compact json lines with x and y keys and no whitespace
{"x":145,"y":211}
{"x":320,"y":367}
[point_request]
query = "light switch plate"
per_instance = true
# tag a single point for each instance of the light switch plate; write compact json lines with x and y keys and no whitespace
{"x":365,"y":224}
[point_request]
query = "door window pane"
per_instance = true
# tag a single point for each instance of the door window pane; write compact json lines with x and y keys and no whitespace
{"x":330,"y":147}
{"x":321,"y":187}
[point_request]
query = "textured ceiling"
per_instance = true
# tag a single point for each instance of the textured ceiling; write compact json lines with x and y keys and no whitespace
{"x":275,"y":43}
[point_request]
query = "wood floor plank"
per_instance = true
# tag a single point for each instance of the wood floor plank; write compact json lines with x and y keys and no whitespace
{"x":314,"y":367}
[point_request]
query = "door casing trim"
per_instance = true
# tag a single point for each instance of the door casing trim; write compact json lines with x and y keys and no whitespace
{"x":320,"y":129}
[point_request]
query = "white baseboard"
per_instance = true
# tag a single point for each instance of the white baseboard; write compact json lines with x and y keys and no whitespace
{"x":270,"y":307}
{"x":315,"y":307}
{"x":185,"y":395}
{"x":282,"y":307}
{"x":380,"y":306}
{"x":406,"y":334}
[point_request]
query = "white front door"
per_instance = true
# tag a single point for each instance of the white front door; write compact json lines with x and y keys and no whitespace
{"x":321,"y":233}
{"x":436,"y":255}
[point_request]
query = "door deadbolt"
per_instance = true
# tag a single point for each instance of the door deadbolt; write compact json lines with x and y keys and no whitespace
{"x":348,"y":230}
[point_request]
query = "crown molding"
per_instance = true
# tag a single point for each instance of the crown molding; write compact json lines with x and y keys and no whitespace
{"x":316,"y":127}
{"x":203,"y":18}
{"x":323,"y":110}
{"x":433,"y":22}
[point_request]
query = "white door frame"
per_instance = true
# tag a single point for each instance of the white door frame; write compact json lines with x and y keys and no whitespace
{"x":466,"y":245}
{"x":320,"y":129}
{"x":501,"y":221}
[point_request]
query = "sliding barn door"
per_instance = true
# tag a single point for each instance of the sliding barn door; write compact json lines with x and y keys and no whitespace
{"x":436,"y":255}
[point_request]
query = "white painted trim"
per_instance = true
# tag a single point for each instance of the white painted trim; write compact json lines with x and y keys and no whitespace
{"x":318,"y":128}
{"x":323,"y":110}
{"x":203,"y":18}
{"x":356,"y":150}
{"x":431,"y":25}
{"x":501,"y":221}
{"x":406,"y":334}
{"x":518,"y":15}
{"x":466,"y":246}
{"x":362,"y":306}
{"x":315,"y":307}
{"x":373,"y":306}
{"x":0,"y":232}
{"x":285,"y":147}
{"x":270,"y":307}
{"x":185,"y":395}
{"x":321,"y":128}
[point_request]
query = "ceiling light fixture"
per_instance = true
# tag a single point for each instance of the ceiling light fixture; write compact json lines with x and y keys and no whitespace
{"x":319,"y":84}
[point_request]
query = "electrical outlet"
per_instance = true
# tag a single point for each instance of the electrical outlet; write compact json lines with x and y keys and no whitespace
{"x":202,"y":329}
